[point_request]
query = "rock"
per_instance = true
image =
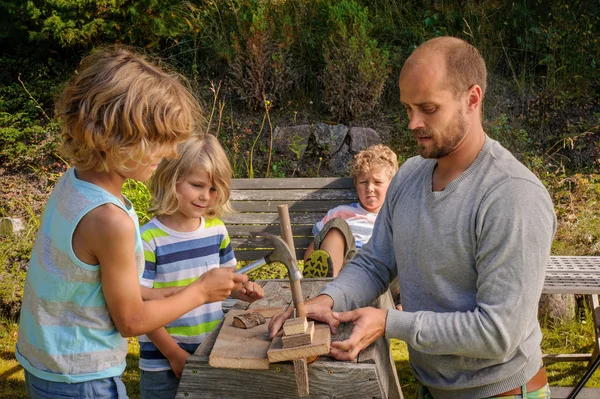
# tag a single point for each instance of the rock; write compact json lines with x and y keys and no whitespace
{"x":11,"y":226}
{"x":362,"y":138}
{"x":340,"y":161}
{"x":330,"y":137}
{"x":292,"y":139}
{"x":555,"y":307}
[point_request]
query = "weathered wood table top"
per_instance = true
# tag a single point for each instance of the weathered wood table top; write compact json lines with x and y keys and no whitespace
{"x":372,"y":375}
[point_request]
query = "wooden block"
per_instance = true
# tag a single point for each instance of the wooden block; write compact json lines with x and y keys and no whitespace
{"x":268,"y":312}
{"x":301,"y":374}
{"x":295,"y":326}
{"x":248,"y":320}
{"x":237,"y":348}
{"x":319,"y":346}
{"x":290,"y":341}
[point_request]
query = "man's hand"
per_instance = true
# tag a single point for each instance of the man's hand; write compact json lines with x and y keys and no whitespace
{"x":369,"y":324}
{"x":318,"y":308}
{"x":250,"y":292}
{"x":177,"y":361}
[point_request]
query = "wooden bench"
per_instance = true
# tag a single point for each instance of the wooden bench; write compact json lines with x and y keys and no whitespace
{"x":256,"y":201}
{"x":308,"y":200}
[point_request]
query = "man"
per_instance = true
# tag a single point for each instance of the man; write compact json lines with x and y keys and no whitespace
{"x":467,"y":229}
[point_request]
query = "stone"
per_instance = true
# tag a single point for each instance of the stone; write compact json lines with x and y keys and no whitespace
{"x":330,"y":137}
{"x":11,"y":226}
{"x":557,"y":307}
{"x":292,"y":139}
{"x":340,"y":161}
{"x":362,"y":138}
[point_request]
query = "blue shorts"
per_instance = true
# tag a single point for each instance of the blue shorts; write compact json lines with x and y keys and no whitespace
{"x":38,"y":388}
{"x":158,"y":384}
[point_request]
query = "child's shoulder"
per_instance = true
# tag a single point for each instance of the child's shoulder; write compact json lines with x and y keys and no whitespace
{"x":106,"y":222}
{"x":213,"y":222}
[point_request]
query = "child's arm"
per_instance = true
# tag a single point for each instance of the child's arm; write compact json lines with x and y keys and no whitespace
{"x":108,"y":235}
{"x":250,"y":292}
{"x":149,"y":294}
{"x":168,"y":347}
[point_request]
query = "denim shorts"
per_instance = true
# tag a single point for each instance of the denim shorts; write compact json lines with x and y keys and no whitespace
{"x":158,"y":384}
{"x":38,"y":388}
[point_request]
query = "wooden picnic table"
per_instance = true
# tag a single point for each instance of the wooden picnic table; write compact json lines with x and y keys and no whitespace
{"x":372,"y":375}
{"x":577,"y":275}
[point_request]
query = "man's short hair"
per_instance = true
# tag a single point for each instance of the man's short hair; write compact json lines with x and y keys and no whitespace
{"x":465,"y":66}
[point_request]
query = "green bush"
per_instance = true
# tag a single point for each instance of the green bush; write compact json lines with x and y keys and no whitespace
{"x":23,"y":142}
{"x":14,"y":256}
{"x":355,"y":67}
{"x":260,"y":68}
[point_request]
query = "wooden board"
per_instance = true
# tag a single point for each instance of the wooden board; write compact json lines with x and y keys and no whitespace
{"x":237,"y":348}
{"x":319,"y":346}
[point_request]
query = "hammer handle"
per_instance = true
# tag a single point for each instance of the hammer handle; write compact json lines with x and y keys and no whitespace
{"x":297,"y":297}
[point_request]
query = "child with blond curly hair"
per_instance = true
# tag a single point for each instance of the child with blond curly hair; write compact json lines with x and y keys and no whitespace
{"x":346,"y":228}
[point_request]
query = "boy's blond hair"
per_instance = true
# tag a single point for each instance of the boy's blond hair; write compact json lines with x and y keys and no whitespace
{"x":376,"y":157}
{"x":198,"y":152}
{"x":119,"y":107}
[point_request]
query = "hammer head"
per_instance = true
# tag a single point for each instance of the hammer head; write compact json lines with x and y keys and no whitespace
{"x":281,"y":253}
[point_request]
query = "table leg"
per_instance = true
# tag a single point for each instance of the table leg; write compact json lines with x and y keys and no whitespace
{"x":595,"y":361}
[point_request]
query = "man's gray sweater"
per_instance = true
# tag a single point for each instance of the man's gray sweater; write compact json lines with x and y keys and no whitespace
{"x":471,"y":261}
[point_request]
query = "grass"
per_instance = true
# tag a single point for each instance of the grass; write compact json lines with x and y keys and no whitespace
{"x":563,"y":337}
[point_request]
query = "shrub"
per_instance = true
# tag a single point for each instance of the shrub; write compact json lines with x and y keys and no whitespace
{"x":355,"y":68}
{"x":260,"y":68}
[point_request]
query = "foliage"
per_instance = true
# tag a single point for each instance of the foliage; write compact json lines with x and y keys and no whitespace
{"x":139,"y":195}
{"x":355,"y":67}
{"x":260,"y":68}
{"x":14,"y":256}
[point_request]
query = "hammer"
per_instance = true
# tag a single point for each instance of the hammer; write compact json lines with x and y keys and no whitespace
{"x":281,"y":253}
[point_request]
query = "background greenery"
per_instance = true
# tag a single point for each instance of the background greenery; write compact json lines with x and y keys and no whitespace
{"x":256,"y":64}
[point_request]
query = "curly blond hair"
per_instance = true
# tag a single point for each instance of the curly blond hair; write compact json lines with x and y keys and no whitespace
{"x":377,"y":157}
{"x":119,"y":107}
{"x":198,"y":152}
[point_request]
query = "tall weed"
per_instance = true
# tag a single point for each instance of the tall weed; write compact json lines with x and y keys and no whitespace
{"x":355,"y":67}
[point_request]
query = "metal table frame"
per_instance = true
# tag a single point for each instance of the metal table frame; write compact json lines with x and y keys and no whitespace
{"x":578,"y":275}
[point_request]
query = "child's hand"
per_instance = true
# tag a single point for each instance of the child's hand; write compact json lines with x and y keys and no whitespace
{"x":177,"y":361}
{"x":217,"y":284}
{"x":250,"y":292}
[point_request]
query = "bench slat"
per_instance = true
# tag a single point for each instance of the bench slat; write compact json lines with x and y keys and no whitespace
{"x":272,"y":218}
{"x":293,"y":195}
{"x":293,"y":206}
{"x":255,"y":254}
{"x":240,"y":230}
{"x":261,"y":242}
{"x":285,"y":183}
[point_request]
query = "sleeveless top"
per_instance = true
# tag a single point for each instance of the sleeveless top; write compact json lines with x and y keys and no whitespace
{"x":65,"y":332}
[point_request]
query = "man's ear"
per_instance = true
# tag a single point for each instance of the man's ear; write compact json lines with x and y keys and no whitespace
{"x":474,"y":98}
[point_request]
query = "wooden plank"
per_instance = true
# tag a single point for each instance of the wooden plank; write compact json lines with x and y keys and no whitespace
{"x":301,"y":374}
{"x":563,"y":393}
{"x":264,"y":243}
{"x":327,"y":379}
{"x":293,"y":195}
{"x":272,"y":218}
{"x":570,"y":357}
{"x":319,"y":346}
{"x":293,"y":206}
{"x":253,"y":230}
{"x":240,"y":348}
{"x":299,"y":182}
{"x":255,"y":254}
